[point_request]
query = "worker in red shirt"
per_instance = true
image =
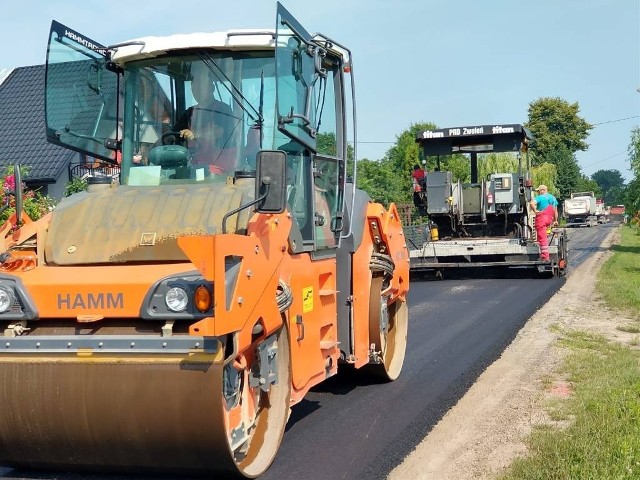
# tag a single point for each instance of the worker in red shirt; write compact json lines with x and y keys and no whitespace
{"x":419,"y":185}
{"x":418,"y":176}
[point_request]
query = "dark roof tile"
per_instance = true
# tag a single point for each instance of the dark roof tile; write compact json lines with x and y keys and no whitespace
{"x":22,"y":126}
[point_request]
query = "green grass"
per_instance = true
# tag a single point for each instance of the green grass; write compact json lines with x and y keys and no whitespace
{"x":600,"y":434}
{"x":602,"y":440}
{"x":630,"y":328}
{"x":619,"y":278}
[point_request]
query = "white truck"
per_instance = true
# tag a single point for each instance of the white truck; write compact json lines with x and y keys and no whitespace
{"x":602,"y":211}
{"x":580,"y":210}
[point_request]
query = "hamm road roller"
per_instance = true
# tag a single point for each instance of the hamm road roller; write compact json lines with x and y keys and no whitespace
{"x":168,"y":317}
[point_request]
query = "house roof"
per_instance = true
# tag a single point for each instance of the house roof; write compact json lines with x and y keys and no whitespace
{"x":4,"y":73}
{"x":22,"y":126}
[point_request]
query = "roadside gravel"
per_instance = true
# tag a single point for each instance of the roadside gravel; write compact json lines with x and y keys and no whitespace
{"x":486,"y":429}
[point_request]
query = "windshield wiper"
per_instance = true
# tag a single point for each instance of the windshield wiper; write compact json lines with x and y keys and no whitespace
{"x":261,"y":104}
{"x":108,"y":143}
{"x":235,"y":92}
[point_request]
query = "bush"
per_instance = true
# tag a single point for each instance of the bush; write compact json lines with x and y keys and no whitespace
{"x":74,"y":186}
{"x":34,"y":203}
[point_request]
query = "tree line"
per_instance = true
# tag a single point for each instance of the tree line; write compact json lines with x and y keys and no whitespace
{"x":559,"y":132}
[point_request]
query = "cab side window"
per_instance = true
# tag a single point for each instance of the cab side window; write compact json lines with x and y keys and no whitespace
{"x":299,"y":189}
{"x":325,"y":202}
{"x":327,"y":197}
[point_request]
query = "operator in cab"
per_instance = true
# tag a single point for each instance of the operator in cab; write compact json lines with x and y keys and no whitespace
{"x":207,"y":126}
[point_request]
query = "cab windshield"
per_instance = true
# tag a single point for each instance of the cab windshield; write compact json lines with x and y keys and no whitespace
{"x":196,"y":117}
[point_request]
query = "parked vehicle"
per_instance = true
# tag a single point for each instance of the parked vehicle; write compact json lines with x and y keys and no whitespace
{"x":580,"y":210}
{"x":602,"y":211}
{"x":617,"y":213}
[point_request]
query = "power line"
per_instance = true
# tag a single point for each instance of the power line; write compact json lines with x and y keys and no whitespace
{"x":616,"y":120}
{"x":605,"y":159}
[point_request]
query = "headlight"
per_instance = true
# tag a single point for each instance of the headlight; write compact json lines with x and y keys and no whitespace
{"x":176,"y":299}
{"x":182,"y":296}
{"x":6,"y":300}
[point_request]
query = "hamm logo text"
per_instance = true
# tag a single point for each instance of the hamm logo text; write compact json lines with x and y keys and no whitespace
{"x":88,"y":301}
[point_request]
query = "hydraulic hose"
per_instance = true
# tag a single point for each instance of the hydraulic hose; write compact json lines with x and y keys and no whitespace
{"x":382,"y":263}
{"x":284,"y":297}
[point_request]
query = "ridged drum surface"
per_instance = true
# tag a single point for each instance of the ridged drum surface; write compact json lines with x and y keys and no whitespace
{"x":100,"y":413}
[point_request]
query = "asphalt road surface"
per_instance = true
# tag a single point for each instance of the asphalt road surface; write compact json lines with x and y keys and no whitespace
{"x":583,"y":241}
{"x":352,"y":427}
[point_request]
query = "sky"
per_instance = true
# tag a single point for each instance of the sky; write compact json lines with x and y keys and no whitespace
{"x":449,"y":62}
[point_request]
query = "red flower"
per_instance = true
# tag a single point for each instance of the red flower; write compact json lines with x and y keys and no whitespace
{"x":10,"y":182}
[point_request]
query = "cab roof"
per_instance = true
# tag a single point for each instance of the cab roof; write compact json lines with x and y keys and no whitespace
{"x":238,"y":39}
{"x":478,"y":139}
{"x":152,"y":46}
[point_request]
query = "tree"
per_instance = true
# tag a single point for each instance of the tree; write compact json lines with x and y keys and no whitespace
{"x":389,"y":180}
{"x":501,"y":162}
{"x":632,"y":197}
{"x":632,"y":191}
{"x":380,"y":180}
{"x":459,"y":165}
{"x":567,"y":169}
{"x":608,"y":181}
{"x":326,"y":143}
{"x":546,"y":174}
{"x":616,"y":195}
{"x":586,"y":184}
{"x":555,"y":123}
{"x":406,"y":153}
{"x":634,"y":152}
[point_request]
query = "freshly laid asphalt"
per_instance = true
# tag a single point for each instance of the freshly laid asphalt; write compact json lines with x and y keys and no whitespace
{"x":352,"y":426}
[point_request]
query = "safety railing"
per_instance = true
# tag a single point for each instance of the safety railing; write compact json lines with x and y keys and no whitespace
{"x":84,"y":170}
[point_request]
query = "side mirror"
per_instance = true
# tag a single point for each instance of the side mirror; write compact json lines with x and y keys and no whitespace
{"x":271,"y":188}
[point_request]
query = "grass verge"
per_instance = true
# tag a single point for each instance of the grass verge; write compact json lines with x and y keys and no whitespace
{"x":602,"y":439}
{"x":600,"y":436}
{"x":619,"y":277}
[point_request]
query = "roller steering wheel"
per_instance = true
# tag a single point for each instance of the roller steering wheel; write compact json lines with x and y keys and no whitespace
{"x":171,"y":138}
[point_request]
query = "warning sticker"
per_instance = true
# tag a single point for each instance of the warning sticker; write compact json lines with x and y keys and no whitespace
{"x":307,"y":299}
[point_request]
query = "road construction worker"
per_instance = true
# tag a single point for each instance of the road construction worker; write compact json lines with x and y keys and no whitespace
{"x":419,"y":188}
{"x":546,"y":207}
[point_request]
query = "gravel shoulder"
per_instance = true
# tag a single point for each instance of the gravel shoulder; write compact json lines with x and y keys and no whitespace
{"x":486,"y":429}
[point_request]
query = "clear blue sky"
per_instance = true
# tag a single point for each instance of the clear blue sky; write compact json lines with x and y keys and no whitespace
{"x":453,"y":63}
